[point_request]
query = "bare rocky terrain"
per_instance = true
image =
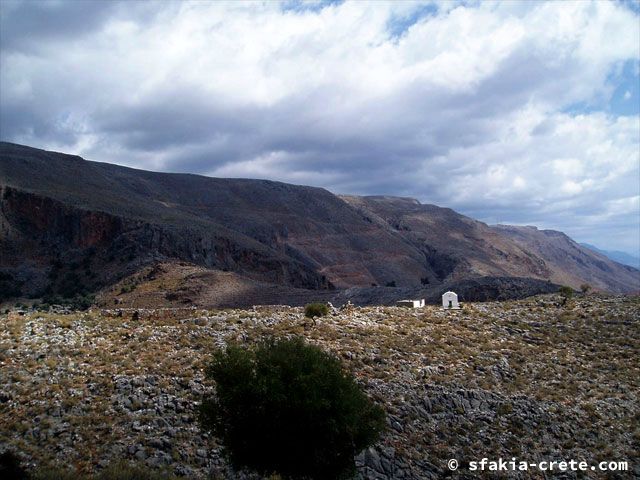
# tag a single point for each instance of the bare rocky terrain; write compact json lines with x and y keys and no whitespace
{"x":530,"y":379}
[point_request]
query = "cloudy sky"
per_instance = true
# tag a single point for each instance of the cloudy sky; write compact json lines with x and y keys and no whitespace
{"x":510,"y":112}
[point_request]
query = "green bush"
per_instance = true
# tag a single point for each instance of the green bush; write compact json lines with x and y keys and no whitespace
{"x":566,"y":293}
{"x":78,"y":302}
{"x":289,"y":408}
{"x":82,"y":302}
{"x":318,"y":309}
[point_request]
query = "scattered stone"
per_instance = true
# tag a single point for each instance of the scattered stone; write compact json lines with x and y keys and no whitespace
{"x":520,"y":378}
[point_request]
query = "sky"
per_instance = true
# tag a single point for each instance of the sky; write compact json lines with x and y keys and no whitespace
{"x":524,"y":113}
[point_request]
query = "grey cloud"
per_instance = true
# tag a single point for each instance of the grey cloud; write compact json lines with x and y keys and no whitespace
{"x":30,"y":26}
{"x":18,"y":120}
{"x":367,"y":146}
{"x":26,"y":25}
{"x":172,"y":121}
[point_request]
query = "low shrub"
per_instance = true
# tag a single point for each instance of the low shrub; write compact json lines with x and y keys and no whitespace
{"x":77,"y":302}
{"x":317,"y":309}
{"x":504,"y":409}
{"x":566,"y":293}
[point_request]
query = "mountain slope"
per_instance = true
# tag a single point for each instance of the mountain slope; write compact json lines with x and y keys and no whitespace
{"x":571,"y":263}
{"x":474,"y":248}
{"x":457,"y":245}
{"x":286,"y":234}
{"x":69,"y":224}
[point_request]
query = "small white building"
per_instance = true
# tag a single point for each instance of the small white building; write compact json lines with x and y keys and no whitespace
{"x":450,"y":300}
{"x":411,"y":303}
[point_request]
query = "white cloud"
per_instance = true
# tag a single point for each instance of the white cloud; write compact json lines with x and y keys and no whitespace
{"x":327,"y":96}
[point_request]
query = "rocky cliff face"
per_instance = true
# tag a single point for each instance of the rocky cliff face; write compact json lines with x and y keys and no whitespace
{"x":70,"y":224}
{"x":46,"y":245}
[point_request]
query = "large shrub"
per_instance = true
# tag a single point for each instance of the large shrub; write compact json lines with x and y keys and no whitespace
{"x":290,"y":408}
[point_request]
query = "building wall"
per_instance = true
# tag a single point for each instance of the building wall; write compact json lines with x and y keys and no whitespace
{"x":450,"y":297}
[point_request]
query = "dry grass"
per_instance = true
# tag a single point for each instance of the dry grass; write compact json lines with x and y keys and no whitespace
{"x":581,"y":359}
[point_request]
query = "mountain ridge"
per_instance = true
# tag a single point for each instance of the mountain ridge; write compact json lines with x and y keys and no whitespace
{"x":114,"y":220}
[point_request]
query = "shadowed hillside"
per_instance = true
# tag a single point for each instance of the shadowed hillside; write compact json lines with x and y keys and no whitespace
{"x":69,"y":225}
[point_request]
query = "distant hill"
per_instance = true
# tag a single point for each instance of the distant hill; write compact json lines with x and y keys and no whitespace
{"x":461,"y":247}
{"x":69,"y":225}
{"x":616,"y":256}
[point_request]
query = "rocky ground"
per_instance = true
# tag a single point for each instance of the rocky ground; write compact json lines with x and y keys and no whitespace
{"x":529,"y":379}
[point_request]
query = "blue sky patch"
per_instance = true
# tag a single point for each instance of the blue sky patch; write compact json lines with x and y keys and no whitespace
{"x":626,"y":96}
{"x":398,"y":25}
{"x":622,"y":97}
{"x":300,"y":6}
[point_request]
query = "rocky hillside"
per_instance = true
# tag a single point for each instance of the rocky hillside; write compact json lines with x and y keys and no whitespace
{"x":570,"y":262}
{"x":453,"y":244}
{"x":528,"y":379}
{"x":69,"y":225}
{"x":456,"y":245}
